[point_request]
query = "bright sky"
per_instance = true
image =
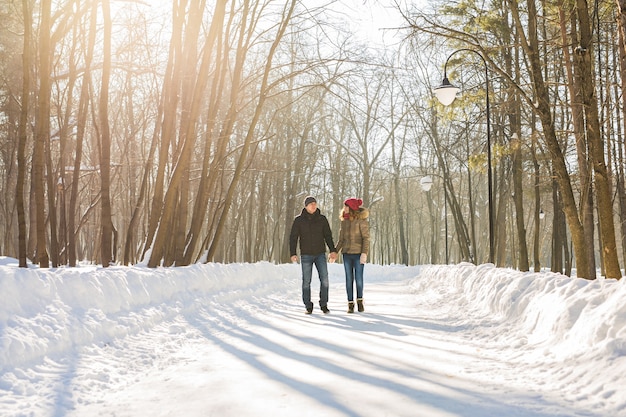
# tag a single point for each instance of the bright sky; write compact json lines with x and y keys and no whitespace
{"x":370,"y":19}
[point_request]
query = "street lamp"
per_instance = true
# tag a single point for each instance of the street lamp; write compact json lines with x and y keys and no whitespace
{"x":446,"y":93}
{"x":427,"y":183}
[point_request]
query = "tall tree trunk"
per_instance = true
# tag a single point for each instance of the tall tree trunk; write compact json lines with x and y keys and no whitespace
{"x":129,"y":254}
{"x":501,"y":199}
{"x":583,"y":58}
{"x":537,"y":219}
{"x":167,"y":125}
{"x":578,"y":120}
{"x":621,"y":25}
{"x":460,"y":226}
{"x":558,"y":232}
{"x":106,"y":242}
{"x":31,"y":243}
{"x":396,"y":157}
{"x":542,"y":106}
{"x":215,"y":46}
{"x":23,"y":136}
{"x":621,"y":186}
{"x":472,"y":211}
{"x":513,"y":64}
{"x":175,"y":190}
{"x":63,"y":154}
{"x":131,"y":158}
{"x":81,"y":124}
{"x":42,"y":133}
{"x":518,"y":201}
{"x":52,"y":181}
{"x":404,"y":253}
{"x":190,"y":114}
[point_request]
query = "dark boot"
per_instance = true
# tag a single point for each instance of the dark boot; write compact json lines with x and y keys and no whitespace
{"x":350,"y":306}
{"x":359,"y":302}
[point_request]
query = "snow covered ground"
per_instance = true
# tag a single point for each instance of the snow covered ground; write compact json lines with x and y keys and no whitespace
{"x":233,"y":340}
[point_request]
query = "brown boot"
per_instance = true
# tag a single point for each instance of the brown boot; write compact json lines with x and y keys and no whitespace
{"x":359,"y":302}
{"x":350,"y":306}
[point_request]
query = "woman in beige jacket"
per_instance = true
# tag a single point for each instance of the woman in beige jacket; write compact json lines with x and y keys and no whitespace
{"x":354,"y":243}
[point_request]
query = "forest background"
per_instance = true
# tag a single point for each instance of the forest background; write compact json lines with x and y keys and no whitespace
{"x":190,"y":131}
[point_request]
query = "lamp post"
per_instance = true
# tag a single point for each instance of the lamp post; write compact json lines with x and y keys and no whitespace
{"x":427,"y":183}
{"x":446,"y":93}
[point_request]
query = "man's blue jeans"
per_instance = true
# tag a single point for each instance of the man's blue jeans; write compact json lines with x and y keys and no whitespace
{"x":307,"y":262}
{"x":354,"y":271}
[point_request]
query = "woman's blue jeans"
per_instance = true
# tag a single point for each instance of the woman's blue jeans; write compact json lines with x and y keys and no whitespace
{"x":307,"y":262}
{"x":354,"y":272}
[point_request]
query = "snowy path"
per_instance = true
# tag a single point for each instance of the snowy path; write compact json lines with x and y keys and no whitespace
{"x":396,"y":359}
{"x":252,"y":352}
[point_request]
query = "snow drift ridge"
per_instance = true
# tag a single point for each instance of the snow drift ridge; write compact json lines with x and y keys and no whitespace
{"x":571,"y":315}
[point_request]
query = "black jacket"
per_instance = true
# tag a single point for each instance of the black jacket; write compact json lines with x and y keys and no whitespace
{"x":313,"y":231}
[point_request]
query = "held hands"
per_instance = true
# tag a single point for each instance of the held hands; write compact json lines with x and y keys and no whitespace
{"x":363,"y":258}
{"x":332,"y":257}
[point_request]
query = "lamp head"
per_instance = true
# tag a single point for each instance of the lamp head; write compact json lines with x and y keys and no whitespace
{"x":446,"y":92}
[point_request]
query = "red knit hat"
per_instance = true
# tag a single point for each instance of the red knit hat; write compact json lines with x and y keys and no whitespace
{"x":353,"y":203}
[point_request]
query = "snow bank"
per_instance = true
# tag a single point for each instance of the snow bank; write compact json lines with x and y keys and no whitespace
{"x":45,"y":311}
{"x":571,"y":315}
{"x":573,"y":330}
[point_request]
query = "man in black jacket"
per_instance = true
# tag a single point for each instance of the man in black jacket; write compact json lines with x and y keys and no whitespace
{"x":311,"y":228}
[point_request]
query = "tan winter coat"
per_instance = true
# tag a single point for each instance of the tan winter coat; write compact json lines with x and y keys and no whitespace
{"x":354,"y":235}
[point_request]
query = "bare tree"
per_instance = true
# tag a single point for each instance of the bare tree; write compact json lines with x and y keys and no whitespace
{"x":621,"y":58}
{"x":81,"y":131}
{"x":512,"y":64}
{"x":106,"y":224}
{"x":167,"y":116}
{"x":264,"y":90}
{"x":23,"y":135}
{"x":42,"y":133}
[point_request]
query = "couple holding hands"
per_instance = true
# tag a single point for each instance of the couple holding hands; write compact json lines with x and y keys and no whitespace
{"x":312,"y":230}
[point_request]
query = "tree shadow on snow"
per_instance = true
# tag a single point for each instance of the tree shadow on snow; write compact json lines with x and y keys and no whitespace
{"x":229,"y":331}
